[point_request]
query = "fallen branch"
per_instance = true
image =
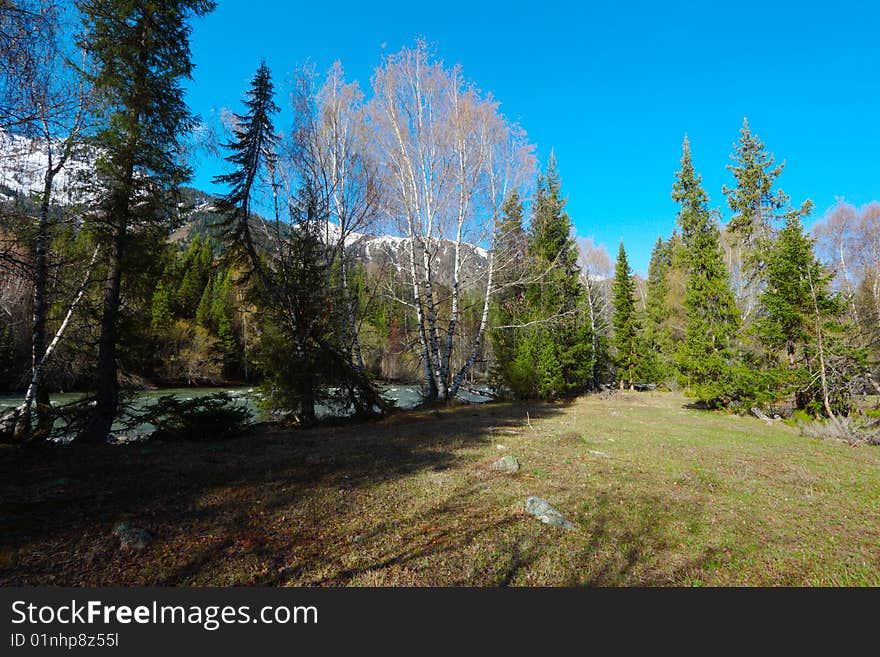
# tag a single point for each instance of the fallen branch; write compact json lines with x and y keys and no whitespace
{"x":760,"y":415}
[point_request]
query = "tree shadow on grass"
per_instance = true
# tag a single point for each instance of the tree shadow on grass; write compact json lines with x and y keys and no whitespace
{"x":206,"y":503}
{"x":641,"y":547}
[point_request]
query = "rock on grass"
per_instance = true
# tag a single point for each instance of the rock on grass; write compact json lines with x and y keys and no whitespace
{"x":547,"y":514}
{"x":131,"y":537}
{"x":507,"y":464}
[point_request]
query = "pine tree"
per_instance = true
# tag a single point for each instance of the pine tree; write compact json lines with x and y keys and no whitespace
{"x":753,"y":200}
{"x":251,"y":151}
{"x":203,"y":311}
{"x":222,"y":317}
{"x":801,"y":323}
{"x":195,"y":271}
{"x":507,"y":303}
{"x":305,"y":359}
{"x":551,"y":355}
{"x":141,"y":55}
{"x":626,"y":328}
{"x":160,"y":308}
{"x":657,"y":334}
{"x":756,"y":207}
{"x":706,"y":358}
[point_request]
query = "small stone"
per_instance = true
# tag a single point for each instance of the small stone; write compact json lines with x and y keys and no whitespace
{"x":501,"y":447}
{"x":547,"y":514}
{"x":131,"y":537}
{"x":506,"y":464}
{"x":598,"y":453}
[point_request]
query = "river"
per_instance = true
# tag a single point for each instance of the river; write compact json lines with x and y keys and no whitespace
{"x":405,"y":396}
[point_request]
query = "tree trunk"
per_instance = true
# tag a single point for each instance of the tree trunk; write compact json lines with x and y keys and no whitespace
{"x":107,"y":385}
{"x":594,"y":384}
{"x":430,"y":391}
{"x":481,"y":331}
{"x":353,"y":340}
{"x":440,"y":383}
{"x":822,"y":372}
{"x":38,"y":321}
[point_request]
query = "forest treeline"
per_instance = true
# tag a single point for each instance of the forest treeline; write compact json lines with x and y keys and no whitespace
{"x":116,"y":275}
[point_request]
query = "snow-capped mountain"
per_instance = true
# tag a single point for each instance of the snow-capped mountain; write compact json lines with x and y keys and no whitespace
{"x":23,"y":165}
{"x":391,"y":253}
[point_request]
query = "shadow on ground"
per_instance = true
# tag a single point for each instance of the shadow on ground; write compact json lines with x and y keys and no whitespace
{"x":267,"y":501}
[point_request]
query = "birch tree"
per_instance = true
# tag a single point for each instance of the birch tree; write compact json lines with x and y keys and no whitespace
{"x":448,"y":159}
{"x":596,"y":270}
{"x":835,"y":243}
{"x":28,"y":32}
{"x":868,"y":240}
{"x":331,"y":149}
{"x":60,"y":98}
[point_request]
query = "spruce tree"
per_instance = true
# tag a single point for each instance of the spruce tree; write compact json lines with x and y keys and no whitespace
{"x":161,"y":314}
{"x":141,"y":55}
{"x":626,"y":329}
{"x":252,"y":150}
{"x":757,"y":207}
{"x":706,"y":358}
{"x":306,"y":361}
{"x":800,"y":323}
{"x":507,"y":303}
{"x":203,"y":310}
{"x":194,"y":274}
{"x":553,"y":353}
{"x":657,"y":333}
{"x":754,"y":202}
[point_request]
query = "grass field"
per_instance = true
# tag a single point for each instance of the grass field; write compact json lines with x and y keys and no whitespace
{"x":659,"y":494}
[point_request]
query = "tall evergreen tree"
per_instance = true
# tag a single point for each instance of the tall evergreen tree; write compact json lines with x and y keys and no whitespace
{"x":706,"y":358}
{"x":306,"y":362}
{"x":560,"y":352}
{"x":546,"y":352}
{"x":141,"y":53}
{"x":507,"y":303}
{"x":801,"y":323}
{"x":754,"y":202}
{"x":757,"y":207}
{"x":626,"y":327}
{"x":656,"y":329}
{"x":252,"y":150}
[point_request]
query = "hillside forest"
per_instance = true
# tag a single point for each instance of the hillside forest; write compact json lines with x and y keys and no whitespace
{"x":402,"y":231}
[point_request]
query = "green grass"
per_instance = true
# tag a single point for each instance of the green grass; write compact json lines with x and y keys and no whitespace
{"x":659,"y":493}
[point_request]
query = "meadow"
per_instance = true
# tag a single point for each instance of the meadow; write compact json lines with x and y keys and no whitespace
{"x":659,"y":493}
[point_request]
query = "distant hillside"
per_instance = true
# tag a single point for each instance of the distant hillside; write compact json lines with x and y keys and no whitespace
{"x":23,"y":164}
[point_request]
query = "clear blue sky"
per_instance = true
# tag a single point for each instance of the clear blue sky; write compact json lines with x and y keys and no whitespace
{"x":611,"y":87}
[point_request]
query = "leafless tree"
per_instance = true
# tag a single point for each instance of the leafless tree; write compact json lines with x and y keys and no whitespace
{"x":330,"y":142}
{"x":28,"y":32}
{"x":867,"y":238}
{"x":835,"y":242}
{"x":596,"y":271}
{"x":448,"y":159}
{"x":848,"y":240}
{"x":54,"y":100}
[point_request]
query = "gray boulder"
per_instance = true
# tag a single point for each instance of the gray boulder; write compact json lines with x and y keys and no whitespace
{"x":506,"y":464}
{"x":547,"y":514}
{"x":131,"y":537}
{"x":7,"y":422}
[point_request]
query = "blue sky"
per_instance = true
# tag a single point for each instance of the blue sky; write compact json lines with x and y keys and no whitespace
{"x":611,"y":87}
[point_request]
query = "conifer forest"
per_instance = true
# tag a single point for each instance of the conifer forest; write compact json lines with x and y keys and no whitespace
{"x":401,"y":232}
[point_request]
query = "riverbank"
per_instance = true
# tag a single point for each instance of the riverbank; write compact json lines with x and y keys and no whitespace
{"x":658,"y":494}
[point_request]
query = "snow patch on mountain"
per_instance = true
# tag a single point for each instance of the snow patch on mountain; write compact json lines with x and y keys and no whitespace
{"x":23,"y":166}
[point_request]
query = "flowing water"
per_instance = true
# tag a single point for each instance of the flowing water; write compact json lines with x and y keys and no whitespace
{"x":405,"y":396}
